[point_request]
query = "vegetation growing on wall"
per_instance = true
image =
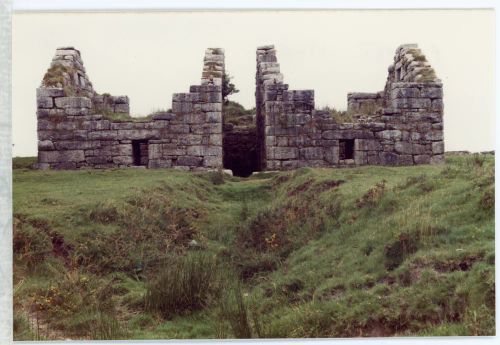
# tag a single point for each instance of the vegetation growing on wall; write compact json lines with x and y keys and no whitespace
{"x":228,"y":88}
{"x":57,"y":76}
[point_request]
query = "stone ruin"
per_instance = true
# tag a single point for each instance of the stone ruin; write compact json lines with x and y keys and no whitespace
{"x":76,"y":128}
{"x":400,"y":125}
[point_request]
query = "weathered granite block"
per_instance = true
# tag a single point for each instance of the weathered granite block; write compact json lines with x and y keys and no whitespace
{"x":189,"y":161}
{"x":309,"y":153}
{"x":49,"y":92}
{"x":61,"y":156}
{"x":367,"y":145}
{"x":122,"y":108}
{"x":212,"y":161}
{"x":73,"y":102}
{"x":438,"y":147}
{"x":389,"y":135}
{"x":422,"y":159}
{"x":283,"y":153}
{"x":434,"y":135}
{"x":45,"y":145}
{"x":44,"y":102}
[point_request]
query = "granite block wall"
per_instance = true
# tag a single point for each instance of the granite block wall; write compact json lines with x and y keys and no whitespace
{"x":76,"y":130}
{"x":401,"y":125}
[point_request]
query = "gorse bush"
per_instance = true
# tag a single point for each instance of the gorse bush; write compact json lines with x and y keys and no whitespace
{"x":31,"y":245}
{"x":184,"y":284}
{"x":73,"y":293}
{"x":150,"y":227}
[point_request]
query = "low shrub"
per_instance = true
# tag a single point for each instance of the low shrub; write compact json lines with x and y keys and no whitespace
{"x":73,"y":294}
{"x":31,"y":246}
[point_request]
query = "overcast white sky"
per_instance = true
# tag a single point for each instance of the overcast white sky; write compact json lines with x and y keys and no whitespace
{"x":149,"y":56}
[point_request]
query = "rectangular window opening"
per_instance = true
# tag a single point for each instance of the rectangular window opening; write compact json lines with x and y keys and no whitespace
{"x":346,"y":149}
{"x":140,"y":152}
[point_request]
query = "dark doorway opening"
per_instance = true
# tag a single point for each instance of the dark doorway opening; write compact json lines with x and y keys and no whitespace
{"x":346,"y":149}
{"x":140,"y":152}
{"x":240,"y":150}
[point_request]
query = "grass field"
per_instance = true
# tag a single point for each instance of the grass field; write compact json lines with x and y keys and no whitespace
{"x":161,"y":254}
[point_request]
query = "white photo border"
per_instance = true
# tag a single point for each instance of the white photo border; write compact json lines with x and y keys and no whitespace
{"x":7,"y":7}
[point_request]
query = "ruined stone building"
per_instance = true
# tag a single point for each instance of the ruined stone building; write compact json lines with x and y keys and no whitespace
{"x":400,"y":125}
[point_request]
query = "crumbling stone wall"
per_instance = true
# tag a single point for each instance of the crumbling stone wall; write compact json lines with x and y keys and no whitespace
{"x":400,"y":125}
{"x":365,"y":102}
{"x":404,"y":125}
{"x":74,"y":129}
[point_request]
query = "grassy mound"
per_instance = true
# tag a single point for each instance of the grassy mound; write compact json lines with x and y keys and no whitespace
{"x":156,"y":254}
{"x":237,"y":115}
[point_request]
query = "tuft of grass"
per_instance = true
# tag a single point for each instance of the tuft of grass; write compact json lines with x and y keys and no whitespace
{"x":120,"y":117}
{"x":186,"y":284}
{"x":55,"y":76}
{"x":234,"y":310}
{"x":339,"y":116}
{"x":97,"y":326}
{"x":417,"y":55}
{"x":427,"y":75}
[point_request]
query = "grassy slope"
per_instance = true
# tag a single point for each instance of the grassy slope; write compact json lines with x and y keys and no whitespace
{"x":320,"y":252}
